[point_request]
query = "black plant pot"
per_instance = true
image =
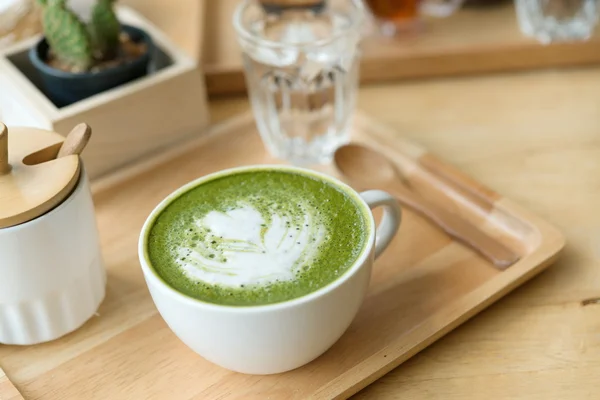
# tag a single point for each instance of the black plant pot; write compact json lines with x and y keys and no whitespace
{"x":65,"y":88}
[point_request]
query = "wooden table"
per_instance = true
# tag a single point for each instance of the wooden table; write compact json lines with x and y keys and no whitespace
{"x":534,"y":137}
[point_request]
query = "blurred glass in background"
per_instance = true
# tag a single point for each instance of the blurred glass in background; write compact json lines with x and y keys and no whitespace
{"x":401,"y":16}
{"x":557,"y":20}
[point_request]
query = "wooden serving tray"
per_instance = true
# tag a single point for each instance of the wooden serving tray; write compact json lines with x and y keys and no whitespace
{"x":472,"y":41}
{"x":422,"y":287}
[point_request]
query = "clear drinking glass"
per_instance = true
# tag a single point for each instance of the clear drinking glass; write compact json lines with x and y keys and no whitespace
{"x":301,"y":68}
{"x":557,"y":20}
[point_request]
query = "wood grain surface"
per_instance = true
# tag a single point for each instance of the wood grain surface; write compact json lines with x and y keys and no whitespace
{"x":422,"y":287}
{"x":534,"y":137}
{"x":76,"y":140}
{"x":8,"y":391}
{"x":473,"y":41}
{"x":37,"y":181}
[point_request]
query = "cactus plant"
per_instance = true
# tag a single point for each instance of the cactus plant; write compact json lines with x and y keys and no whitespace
{"x":105,"y":29}
{"x":66,"y":34}
{"x":76,"y":45}
{"x":76,"y":60}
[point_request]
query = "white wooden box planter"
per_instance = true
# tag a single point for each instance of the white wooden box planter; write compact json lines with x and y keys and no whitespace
{"x":136,"y":119}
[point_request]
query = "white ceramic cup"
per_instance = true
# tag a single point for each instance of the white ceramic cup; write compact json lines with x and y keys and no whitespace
{"x":273,"y":338}
{"x":52,"y":276}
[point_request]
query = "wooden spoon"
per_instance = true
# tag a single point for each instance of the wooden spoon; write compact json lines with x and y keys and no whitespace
{"x":369,"y":168}
{"x":76,"y":141}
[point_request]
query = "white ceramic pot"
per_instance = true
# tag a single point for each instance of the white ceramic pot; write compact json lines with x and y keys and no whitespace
{"x":52,"y":277}
{"x":278,"y":337}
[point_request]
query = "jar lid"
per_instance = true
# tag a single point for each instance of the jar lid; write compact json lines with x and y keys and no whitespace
{"x":32,"y":179}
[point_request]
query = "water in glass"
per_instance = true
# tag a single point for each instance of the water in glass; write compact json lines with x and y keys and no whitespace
{"x":301,"y":70}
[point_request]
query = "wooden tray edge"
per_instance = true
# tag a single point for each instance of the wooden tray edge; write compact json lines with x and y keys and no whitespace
{"x":128,"y":172}
{"x":459,"y":179}
{"x":551,"y":243}
{"x":335,"y":389}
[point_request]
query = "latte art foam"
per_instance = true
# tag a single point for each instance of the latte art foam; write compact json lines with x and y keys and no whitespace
{"x":241,"y":247}
{"x":257,"y":237}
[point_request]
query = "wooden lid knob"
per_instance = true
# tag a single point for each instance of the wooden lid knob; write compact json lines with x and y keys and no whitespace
{"x":32,"y":179}
{"x":4,"y":165}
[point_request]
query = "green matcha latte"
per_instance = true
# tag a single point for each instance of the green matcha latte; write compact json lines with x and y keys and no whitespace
{"x":257,"y":237}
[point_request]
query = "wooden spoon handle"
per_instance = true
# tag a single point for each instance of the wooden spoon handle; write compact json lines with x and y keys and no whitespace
{"x":76,"y":141}
{"x":459,"y":179}
{"x":460,"y":229}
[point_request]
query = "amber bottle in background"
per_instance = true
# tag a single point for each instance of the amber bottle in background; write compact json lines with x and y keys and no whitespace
{"x":395,"y":17}
{"x":394,"y":10}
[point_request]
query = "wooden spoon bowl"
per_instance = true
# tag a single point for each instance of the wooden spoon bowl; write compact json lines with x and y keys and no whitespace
{"x":369,"y":168}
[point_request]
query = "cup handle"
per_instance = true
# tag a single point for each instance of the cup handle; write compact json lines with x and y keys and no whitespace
{"x":390,"y":222}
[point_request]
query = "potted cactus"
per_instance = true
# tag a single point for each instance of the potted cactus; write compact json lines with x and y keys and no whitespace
{"x":77,"y":60}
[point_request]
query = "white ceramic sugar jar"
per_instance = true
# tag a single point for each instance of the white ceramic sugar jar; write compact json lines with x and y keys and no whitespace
{"x":52,"y":277}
